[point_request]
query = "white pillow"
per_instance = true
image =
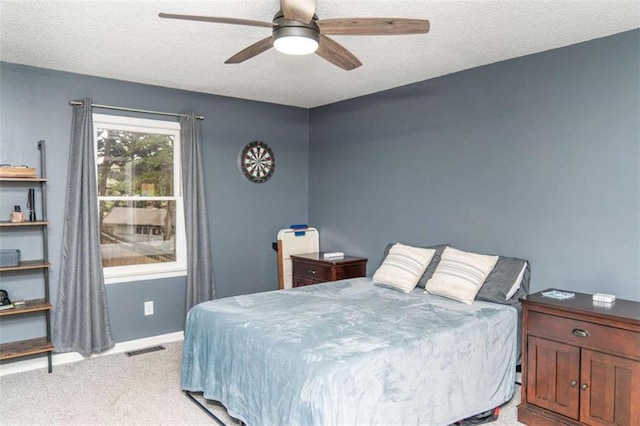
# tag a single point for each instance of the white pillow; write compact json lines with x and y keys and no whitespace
{"x":403,"y":267}
{"x":516,"y":283}
{"x":460,"y":274}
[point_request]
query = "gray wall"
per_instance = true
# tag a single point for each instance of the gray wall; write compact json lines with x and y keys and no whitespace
{"x":244,"y":217}
{"x":536,"y":157}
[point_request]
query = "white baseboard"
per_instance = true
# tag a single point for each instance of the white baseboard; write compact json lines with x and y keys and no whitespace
{"x":66,"y":358}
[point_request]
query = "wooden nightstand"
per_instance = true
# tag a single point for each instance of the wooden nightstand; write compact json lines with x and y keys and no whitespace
{"x":582,"y":362}
{"x":311,"y":268}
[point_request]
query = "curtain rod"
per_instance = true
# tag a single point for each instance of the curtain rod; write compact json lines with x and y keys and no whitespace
{"x":144,"y":111}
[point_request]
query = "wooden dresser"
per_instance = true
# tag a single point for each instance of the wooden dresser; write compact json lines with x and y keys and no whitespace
{"x":311,"y":268}
{"x":582,"y":362}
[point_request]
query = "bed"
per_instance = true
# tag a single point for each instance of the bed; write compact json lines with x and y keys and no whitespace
{"x":351,"y":352}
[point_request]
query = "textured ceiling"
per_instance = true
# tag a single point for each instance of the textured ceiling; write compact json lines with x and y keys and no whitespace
{"x":126,"y":40}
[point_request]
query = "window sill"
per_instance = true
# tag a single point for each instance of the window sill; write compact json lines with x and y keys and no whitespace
{"x":126,"y":278}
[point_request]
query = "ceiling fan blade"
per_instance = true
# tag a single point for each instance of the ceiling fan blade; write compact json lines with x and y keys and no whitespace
{"x":217,"y":20}
{"x":298,"y":10}
{"x":333,"y":52}
{"x":254,"y":50}
{"x":373,"y":26}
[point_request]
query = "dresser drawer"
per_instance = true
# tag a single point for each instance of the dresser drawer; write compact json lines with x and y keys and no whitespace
{"x":311,"y":271}
{"x":584,"y":334}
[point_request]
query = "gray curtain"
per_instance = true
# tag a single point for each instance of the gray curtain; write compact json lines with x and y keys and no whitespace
{"x":200,"y":285}
{"x":81,"y":315}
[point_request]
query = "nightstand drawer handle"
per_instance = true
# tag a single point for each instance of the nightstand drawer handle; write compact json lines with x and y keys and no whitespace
{"x":312,"y":271}
{"x":580,"y":333}
{"x":573,"y":384}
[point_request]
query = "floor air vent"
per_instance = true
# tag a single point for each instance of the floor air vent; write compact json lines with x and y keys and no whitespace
{"x":145,"y":350}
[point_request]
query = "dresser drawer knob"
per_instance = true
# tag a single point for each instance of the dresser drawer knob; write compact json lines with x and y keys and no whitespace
{"x":584,"y":386}
{"x":573,"y":384}
{"x":580,"y":333}
{"x":312,"y":271}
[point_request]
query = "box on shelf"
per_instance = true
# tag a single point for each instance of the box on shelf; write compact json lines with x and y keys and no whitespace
{"x":9,"y":257}
{"x":17,"y":172}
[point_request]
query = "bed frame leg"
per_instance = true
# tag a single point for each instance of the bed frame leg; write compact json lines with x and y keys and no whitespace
{"x":189,"y":395}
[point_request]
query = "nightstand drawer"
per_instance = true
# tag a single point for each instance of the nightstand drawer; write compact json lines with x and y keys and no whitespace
{"x":584,"y":334}
{"x":301,"y":282}
{"x":310,"y":271}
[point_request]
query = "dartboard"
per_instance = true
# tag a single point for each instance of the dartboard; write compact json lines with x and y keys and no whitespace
{"x":257,"y":162}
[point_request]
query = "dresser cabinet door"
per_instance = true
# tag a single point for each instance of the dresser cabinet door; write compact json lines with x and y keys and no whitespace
{"x":553,"y":376}
{"x":610,"y":390}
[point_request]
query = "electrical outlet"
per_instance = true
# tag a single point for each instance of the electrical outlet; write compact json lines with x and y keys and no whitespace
{"x":148,"y":308}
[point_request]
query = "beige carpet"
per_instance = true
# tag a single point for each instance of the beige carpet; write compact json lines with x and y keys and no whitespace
{"x":119,"y":390}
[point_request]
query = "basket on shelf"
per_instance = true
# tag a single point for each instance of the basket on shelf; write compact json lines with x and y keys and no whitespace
{"x":9,"y":257}
{"x":17,"y":172}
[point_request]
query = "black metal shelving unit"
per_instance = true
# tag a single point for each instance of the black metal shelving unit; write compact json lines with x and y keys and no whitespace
{"x":39,"y":345}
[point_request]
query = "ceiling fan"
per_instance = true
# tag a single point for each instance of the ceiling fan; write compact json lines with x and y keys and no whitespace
{"x":296,"y":30}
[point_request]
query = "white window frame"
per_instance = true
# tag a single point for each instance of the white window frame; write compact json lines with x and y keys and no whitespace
{"x":120,"y":274}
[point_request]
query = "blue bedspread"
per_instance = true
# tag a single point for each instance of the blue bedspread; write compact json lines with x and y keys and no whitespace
{"x":348,"y":353}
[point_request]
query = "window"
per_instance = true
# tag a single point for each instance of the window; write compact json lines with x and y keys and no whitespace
{"x":140,"y":198}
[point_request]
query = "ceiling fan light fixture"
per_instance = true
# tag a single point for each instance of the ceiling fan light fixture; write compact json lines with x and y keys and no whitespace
{"x":296,"y":30}
{"x":295,"y":40}
{"x":295,"y":45}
